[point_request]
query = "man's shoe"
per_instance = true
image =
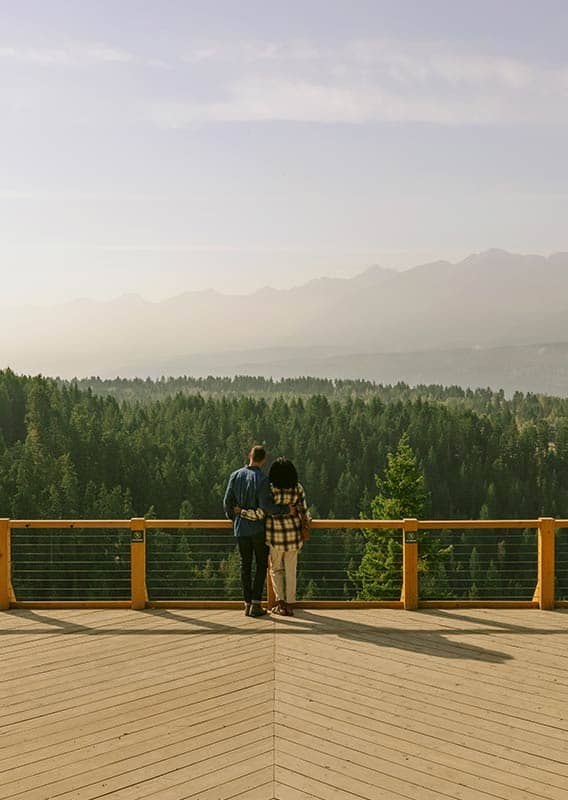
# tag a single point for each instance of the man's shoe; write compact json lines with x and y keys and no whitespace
{"x":257,"y":610}
{"x":247,"y":609}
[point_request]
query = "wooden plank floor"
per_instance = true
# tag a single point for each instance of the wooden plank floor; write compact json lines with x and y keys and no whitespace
{"x":210,"y":705}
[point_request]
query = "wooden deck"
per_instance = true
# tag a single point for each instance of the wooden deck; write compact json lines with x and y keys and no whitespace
{"x":211,"y":705}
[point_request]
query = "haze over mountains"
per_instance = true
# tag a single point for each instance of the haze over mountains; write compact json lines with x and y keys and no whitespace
{"x":488,"y":320}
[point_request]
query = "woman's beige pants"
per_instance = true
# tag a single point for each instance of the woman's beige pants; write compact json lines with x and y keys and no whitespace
{"x":283,"y":561}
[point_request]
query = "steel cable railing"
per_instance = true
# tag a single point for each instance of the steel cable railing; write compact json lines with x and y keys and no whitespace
{"x":561,"y":565}
{"x":328,"y":565}
{"x":192,"y":565}
{"x":492,"y":564}
{"x":206,"y":566}
{"x":405,"y":562}
{"x":70,"y":564}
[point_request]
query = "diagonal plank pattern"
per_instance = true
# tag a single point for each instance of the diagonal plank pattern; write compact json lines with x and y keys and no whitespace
{"x":210,"y":705}
{"x":427,"y":705}
{"x":135,"y":705}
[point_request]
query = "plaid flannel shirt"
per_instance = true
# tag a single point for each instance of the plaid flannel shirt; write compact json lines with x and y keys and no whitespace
{"x":283,"y":532}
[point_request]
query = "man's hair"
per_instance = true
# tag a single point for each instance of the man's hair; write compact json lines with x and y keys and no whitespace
{"x":257,"y":453}
{"x":283,"y":474}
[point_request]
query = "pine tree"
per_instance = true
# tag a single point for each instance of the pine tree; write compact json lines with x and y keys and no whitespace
{"x":401,"y":495}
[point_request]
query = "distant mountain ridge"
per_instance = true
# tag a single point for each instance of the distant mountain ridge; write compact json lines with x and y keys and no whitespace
{"x":493,"y":299}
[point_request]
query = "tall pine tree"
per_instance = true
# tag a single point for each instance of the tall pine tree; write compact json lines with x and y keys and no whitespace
{"x":402,"y":494}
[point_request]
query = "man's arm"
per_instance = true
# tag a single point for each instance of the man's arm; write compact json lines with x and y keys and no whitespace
{"x":229,"y":501}
{"x":265,"y":505}
{"x":250,"y":513}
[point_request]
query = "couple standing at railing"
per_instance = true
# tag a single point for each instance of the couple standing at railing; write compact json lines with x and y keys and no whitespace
{"x":270,"y":517}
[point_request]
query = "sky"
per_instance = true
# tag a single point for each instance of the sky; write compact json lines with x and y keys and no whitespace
{"x":158,"y":148}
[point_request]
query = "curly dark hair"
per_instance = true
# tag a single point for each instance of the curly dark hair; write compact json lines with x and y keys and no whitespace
{"x":283,"y":474}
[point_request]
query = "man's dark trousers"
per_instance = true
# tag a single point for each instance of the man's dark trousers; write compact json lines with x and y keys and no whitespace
{"x":250,"y":546}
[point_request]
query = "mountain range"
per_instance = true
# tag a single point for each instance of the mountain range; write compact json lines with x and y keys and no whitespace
{"x":475,"y":322}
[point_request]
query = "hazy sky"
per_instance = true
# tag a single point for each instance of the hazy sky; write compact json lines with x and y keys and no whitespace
{"x":160,"y":147}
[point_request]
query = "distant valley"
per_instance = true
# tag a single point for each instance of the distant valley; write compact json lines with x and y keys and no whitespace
{"x":527,"y":368}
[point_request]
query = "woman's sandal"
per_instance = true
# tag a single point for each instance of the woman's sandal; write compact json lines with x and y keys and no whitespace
{"x":281,"y":609}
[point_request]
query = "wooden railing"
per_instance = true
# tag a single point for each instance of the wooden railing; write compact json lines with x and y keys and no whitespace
{"x":543,"y":598}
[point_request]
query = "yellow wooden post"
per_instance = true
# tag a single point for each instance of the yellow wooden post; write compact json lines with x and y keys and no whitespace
{"x":10,"y":585}
{"x":4,"y":564}
{"x":270,"y":596}
{"x":138,"y":562}
{"x":545,"y":591}
{"x":409,"y":595}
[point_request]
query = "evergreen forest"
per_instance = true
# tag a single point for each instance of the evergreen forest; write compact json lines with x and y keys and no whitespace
{"x":96,"y":449}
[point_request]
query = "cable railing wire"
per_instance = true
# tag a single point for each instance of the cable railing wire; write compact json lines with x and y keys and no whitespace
{"x":494,"y":564}
{"x":51,"y":565}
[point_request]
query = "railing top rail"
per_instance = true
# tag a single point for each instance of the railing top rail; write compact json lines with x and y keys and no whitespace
{"x":69,"y":523}
{"x":480,"y":524}
{"x":378,"y":524}
{"x":189,"y":523}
